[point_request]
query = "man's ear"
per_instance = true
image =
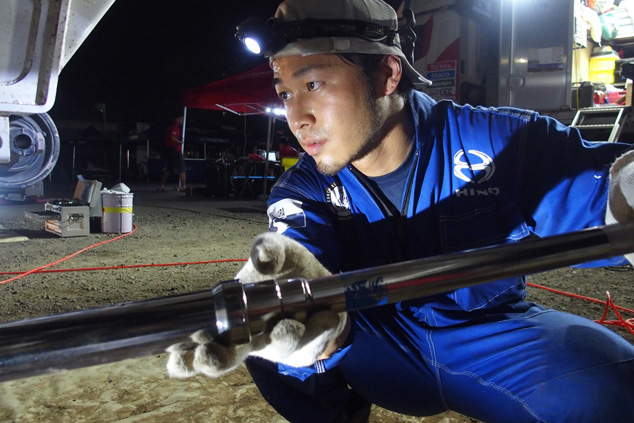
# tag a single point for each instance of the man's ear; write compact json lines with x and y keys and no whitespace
{"x":391,"y":74}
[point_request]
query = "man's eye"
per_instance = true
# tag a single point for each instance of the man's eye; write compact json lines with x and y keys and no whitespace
{"x":312,"y":86}
{"x":284,"y":95}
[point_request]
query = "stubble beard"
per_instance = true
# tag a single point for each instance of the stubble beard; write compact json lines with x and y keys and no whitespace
{"x":330,"y":166}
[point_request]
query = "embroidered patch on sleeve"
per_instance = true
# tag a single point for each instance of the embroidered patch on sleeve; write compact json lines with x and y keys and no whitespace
{"x":284,"y":214}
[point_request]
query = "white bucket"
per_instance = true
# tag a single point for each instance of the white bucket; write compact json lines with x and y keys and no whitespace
{"x":117,"y":213}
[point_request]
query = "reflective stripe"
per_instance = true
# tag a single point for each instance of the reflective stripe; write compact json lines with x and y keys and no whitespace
{"x":117,"y":209}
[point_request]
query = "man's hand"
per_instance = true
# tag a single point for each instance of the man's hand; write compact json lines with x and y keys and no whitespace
{"x":290,"y":342}
{"x":621,"y":196}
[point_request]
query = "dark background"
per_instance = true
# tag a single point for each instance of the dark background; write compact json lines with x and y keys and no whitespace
{"x":138,"y":61}
{"x":143,"y":54}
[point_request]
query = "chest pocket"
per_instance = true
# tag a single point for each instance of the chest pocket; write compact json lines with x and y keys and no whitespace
{"x":481,"y":224}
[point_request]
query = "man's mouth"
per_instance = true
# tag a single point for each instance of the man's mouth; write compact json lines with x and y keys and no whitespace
{"x":313,"y":147}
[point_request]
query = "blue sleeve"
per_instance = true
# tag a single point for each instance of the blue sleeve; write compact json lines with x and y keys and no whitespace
{"x":319,"y":392}
{"x":299,"y":210}
{"x":565,"y":178}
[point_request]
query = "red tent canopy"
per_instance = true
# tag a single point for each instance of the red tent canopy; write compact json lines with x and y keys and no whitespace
{"x":248,"y":93}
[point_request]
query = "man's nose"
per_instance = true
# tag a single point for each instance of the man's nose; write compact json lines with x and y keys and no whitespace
{"x":299,"y":116}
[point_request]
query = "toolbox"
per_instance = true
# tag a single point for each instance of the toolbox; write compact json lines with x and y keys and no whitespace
{"x":71,"y":217}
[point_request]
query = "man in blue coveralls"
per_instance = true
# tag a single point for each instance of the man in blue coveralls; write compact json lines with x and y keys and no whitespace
{"x":392,"y":175}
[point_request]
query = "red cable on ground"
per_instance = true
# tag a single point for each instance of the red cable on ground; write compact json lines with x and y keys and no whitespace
{"x":67,"y":257}
{"x":40,"y":269}
{"x":627,"y":324}
{"x":609,"y":305}
{"x":130,"y":266}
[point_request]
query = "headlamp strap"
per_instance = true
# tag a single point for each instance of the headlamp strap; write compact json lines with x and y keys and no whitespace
{"x":321,"y":28}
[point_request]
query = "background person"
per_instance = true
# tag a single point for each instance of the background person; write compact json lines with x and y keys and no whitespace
{"x":288,"y":156}
{"x":174,"y":155}
{"x":286,"y":150}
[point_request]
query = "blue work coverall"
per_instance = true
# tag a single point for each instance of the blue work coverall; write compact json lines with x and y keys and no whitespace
{"x":479,"y":177}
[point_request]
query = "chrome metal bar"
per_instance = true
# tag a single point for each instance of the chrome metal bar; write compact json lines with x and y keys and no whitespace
{"x":86,"y":338}
{"x":233,"y":311}
{"x":391,"y":283}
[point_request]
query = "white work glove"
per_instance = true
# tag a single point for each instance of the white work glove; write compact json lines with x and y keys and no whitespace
{"x":273,"y":256}
{"x":621,"y":195}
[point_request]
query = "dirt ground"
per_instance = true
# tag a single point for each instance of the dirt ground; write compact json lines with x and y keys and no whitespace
{"x":173,"y":228}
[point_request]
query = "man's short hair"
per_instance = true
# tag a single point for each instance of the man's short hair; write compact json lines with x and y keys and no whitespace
{"x":370,"y":65}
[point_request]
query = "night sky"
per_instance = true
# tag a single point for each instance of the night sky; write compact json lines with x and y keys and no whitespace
{"x":144,"y":54}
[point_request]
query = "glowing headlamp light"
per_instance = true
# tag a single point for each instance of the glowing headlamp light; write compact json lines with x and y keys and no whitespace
{"x":266,"y":38}
{"x":256,"y":35}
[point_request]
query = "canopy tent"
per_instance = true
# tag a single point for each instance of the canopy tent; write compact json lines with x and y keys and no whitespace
{"x":249,"y":93}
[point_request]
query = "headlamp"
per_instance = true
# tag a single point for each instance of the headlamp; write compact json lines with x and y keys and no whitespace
{"x":266,"y":38}
{"x":256,"y":35}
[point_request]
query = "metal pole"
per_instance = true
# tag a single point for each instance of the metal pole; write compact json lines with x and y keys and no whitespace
{"x":388,"y":284}
{"x":183,"y":129}
{"x":51,"y":344}
{"x":85,"y":338}
{"x":269,"y":136}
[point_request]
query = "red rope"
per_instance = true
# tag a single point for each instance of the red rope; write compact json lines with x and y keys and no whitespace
{"x":626,"y":323}
{"x":67,"y":257}
{"x":130,"y":266}
{"x":41,"y":268}
{"x":609,"y":305}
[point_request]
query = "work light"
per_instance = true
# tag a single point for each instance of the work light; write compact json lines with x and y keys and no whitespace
{"x":256,"y":35}
{"x":267,"y":37}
